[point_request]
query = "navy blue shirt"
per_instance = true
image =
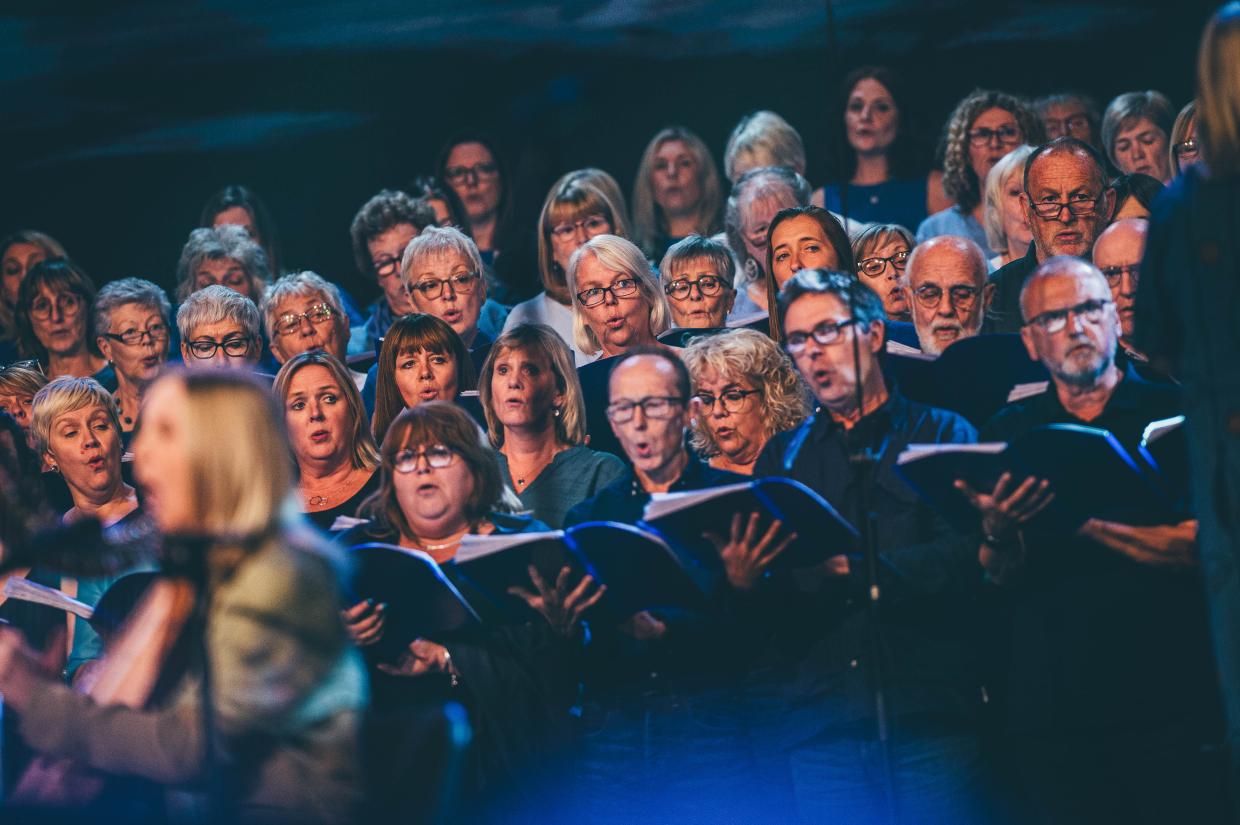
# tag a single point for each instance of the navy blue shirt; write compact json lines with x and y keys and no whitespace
{"x":815,"y":664}
{"x":624,"y":499}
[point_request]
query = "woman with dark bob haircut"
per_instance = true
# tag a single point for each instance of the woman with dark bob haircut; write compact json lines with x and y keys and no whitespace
{"x":55,"y":319}
{"x":422,"y":359}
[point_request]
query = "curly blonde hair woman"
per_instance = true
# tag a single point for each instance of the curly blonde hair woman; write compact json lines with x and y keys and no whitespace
{"x":745,"y":391}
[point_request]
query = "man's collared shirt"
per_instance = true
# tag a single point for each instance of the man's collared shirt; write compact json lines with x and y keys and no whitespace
{"x":624,"y":499}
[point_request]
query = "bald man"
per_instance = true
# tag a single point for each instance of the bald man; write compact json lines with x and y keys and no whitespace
{"x":1117,"y":254}
{"x":946,"y":281}
{"x":1112,"y":707}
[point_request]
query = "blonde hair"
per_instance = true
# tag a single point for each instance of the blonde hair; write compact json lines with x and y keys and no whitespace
{"x":648,"y":222}
{"x":571,"y":199}
{"x":1218,"y":91}
{"x":1013,"y":163}
{"x":246,"y":489}
{"x":617,"y":255}
{"x":570,"y":424}
{"x":766,"y":139}
{"x":749,"y":354}
{"x":1179,"y":131}
{"x":65,"y":395}
{"x":364,"y":454}
{"x":22,"y":378}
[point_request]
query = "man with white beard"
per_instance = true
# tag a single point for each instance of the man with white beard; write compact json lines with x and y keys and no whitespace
{"x":946,"y":282}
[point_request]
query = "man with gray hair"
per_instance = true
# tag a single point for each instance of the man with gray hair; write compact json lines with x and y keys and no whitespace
{"x":1067,"y":203}
{"x":945,"y":278}
{"x":1109,"y":658}
{"x":219,"y":328}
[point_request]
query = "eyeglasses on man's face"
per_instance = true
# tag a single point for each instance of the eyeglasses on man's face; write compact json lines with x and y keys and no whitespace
{"x":962,"y":296}
{"x":290,"y":322}
{"x":431,"y":288}
{"x":133,"y":337}
{"x":825,"y":334}
{"x":437,"y":457}
{"x":658,"y":407}
{"x":707,"y":285}
{"x":1056,"y":320}
{"x":1080,"y":205}
{"x":1115,"y":274}
{"x":66,"y":303}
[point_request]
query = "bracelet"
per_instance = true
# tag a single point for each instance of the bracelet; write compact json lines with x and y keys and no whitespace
{"x":448,"y":669}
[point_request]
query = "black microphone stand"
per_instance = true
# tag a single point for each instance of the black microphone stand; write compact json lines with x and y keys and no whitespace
{"x":864,"y":461}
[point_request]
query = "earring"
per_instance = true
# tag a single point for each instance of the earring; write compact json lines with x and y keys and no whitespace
{"x":557,"y":412}
{"x":55,"y":468}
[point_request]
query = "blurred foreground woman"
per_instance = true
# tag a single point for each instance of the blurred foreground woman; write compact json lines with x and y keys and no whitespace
{"x":286,"y":689}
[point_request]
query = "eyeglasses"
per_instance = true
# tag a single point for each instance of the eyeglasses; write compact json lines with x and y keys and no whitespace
{"x":1115,"y":273}
{"x":707,"y":285}
{"x":733,"y":401}
{"x":432,"y":288}
{"x":984,"y":137}
{"x":658,"y":407}
{"x":1078,"y":207}
{"x":1056,"y":319}
{"x":132,"y":337}
{"x":595,"y":295}
{"x":233,"y":347}
{"x":67,"y":303}
{"x":386,"y":267}
{"x":458,"y":174}
{"x":290,"y":322}
{"x":437,"y":457}
{"x":961,"y":296}
{"x":1187,"y":149}
{"x":875,"y":266}
{"x":1071,"y":125}
{"x":593,"y":225}
{"x":826,"y":333}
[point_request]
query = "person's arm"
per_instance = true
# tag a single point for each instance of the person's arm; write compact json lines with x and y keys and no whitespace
{"x":1161,"y":545}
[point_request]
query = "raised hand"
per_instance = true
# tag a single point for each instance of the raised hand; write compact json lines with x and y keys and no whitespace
{"x":745,"y":555}
{"x":422,"y":657}
{"x":1008,"y":506}
{"x":365,"y":622}
{"x":561,"y":607}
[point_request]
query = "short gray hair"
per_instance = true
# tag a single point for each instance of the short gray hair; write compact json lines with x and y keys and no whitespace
{"x":1061,"y":265}
{"x":213,"y":243}
{"x":1012,"y":163}
{"x":618,"y":255}
{"x":757,"y":183}
{"x":128,"y":291}
{"x":1132,"y":106}
{"x":300,"y":285}
{"x":854,"y":295}
{"x":699,"y":248}
{"x":441,"y":240}
{"x":768,"y":136}
{"x":968,"y":246}
{"x":216,"y":303}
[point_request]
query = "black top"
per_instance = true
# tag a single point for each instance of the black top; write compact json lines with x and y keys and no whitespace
{"x":594,"y":393}
{"x":624,"y":499}
{"x":1004,"y":314}
{"x":324,"y":519}
{"x":814,"y":674}
{"x":1099,"y":640}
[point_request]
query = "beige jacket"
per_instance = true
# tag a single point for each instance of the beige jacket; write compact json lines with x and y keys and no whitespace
{"x":288,"y":689}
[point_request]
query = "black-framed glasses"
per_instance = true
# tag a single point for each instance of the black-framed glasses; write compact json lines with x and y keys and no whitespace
{"x":431,"y":288}
{"x":437,"y":457}
{"x":681,"y":287}
{"x":386,"y":267}
{"x":205,"y":348}
{"x":132,"y":337}
{"x":290,"y":322}
{"x":658,"y":407}
{"x":984,"y":137}
{"x":27,"y":364}
{"x":593,"y":225}
{"x":1056,"y":319}
{"x":1078,"y":207}
{"x":732,"y":401}
{"x":825,"y":333}
{"x":961,"y":295}
{"x":1116,"y":273}
{"x":875,"y":266}
{"x":1187,"y":149}
{"x":67,"y":303}
{"x":595,"y":295}
{"x":458,"y":174}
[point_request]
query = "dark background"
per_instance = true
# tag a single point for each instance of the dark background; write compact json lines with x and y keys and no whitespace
{"x":120,"y":119}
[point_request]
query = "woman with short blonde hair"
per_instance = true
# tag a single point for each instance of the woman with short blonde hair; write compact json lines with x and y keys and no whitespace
{"x":745,"y":391}
{"x":613,"y":259}
{"x":763,"y":138}
{"x":536,"y":419}
{"x":677,"y":191}
{"x":1007,"y":232}
{"x":19,"y":383}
